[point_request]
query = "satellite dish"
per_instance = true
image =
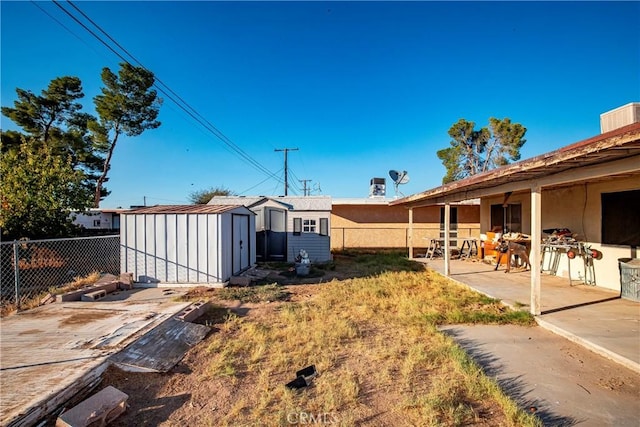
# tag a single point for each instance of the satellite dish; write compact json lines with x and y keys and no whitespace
{"x":399,"y":177}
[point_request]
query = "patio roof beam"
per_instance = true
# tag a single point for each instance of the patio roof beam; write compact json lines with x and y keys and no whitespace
{"x":628,"y":165}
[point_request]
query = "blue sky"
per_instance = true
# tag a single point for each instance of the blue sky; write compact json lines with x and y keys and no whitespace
{"x":358,"y":87}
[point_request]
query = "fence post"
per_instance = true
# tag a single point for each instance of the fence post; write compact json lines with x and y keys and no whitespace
{"x":16,"y":273}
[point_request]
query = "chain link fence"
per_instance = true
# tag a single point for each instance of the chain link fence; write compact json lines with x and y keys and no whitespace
{"x":29,"y":268}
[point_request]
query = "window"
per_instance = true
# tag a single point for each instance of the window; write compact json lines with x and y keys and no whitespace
{"x":509,"y":216}
{"x":297,"y":226}
{"x":620,"y":225}
{"x":96,"y":223}
{"x":324,"y":226}
{"x":309,"y":226}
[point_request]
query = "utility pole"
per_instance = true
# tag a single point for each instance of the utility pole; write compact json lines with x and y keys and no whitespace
{"x":305,"y":190}
{"x":286,"y":171}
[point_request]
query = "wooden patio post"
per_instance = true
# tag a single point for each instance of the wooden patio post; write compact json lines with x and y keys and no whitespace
{"x":534,"y":257}
{"x":447,"y":249}
{"x":410,"y":233}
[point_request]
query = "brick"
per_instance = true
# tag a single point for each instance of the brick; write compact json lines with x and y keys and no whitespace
{"x":126,"y":281}
{"x":98,"y":410}
{"x":94,"y":296}
{"x":77,"y":294}
{"x":192,"y":312}
{"x":107,"y":278}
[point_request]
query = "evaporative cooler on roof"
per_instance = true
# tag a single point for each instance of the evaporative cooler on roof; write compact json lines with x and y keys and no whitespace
{"x":377,"y":187}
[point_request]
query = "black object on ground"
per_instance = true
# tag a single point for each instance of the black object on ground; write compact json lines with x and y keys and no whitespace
{"x":308,"y":372}
{"x":303,"y":378}
{"x":298,"y":383}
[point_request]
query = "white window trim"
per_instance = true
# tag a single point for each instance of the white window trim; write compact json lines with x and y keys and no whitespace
{"x":309,"y":226}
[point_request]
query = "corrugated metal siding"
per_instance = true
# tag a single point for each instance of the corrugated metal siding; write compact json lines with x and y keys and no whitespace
{"x":318,"y":247}
{"x":225,"y":252}
{"x":174,"y":248}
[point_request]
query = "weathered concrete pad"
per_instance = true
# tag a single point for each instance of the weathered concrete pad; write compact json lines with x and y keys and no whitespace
{"x":49,"y":354}
{"x":562,"y":382}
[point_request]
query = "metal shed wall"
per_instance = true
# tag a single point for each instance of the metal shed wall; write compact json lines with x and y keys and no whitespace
{"x":181,"y":247}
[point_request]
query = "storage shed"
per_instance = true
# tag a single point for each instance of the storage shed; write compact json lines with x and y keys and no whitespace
{"x":287,"y":224}
{"x":190,"y":244}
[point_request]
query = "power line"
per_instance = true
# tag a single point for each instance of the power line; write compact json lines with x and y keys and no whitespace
{"x":169,"y":93}
{"x":261,"y":182}
{"x":217,"y":132}
{"x":63,"y":26}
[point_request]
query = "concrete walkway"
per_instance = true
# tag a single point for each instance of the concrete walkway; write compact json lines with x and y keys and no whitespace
{"x":580,"y":367}
{"x":591,"y":316}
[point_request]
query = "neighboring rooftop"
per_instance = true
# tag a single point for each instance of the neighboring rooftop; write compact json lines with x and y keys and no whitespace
{"x":299,"y":203}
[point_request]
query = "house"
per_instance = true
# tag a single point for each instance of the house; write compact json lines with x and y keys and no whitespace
{"x":373,"y":223}
{"x":98,"y":219}
{"x":287,"y":224}
{"x":190,"y":244}
{"x":591,"y":188}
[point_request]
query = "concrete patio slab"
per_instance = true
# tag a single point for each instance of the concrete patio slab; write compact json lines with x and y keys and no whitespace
{"x":50,"y":353}
{"x":594,"y":317}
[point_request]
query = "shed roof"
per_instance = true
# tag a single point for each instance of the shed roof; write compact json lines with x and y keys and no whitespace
{"x":182,"y":209}
{"x":555,"y":168}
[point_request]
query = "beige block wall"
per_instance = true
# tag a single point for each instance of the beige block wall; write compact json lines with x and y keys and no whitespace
{"x":579,"y":209}
{"x":381,"y":226}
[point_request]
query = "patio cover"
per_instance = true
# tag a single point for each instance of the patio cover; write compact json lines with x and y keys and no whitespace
{"x":602,"y":157}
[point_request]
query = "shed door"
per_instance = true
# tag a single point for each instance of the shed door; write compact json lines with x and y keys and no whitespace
{"x":277,"y":235}
{"x":240,"y":243}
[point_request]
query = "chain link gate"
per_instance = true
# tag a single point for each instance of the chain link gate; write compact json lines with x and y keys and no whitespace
{"x":29,"y":268}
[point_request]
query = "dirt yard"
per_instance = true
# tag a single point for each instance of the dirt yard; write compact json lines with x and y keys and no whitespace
{"x":379,"y":362}
{"x":186,"y":396}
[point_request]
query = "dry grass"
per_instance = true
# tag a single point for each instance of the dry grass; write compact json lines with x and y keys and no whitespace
{"x":380,"y":357}
{"x":27,"y":303}
{"x":253,"y":294}
{"x":78,"y":283}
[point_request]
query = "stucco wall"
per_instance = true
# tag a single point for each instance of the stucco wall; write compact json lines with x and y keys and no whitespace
{"x":524,"y":199}
{"x":579,"y":209}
